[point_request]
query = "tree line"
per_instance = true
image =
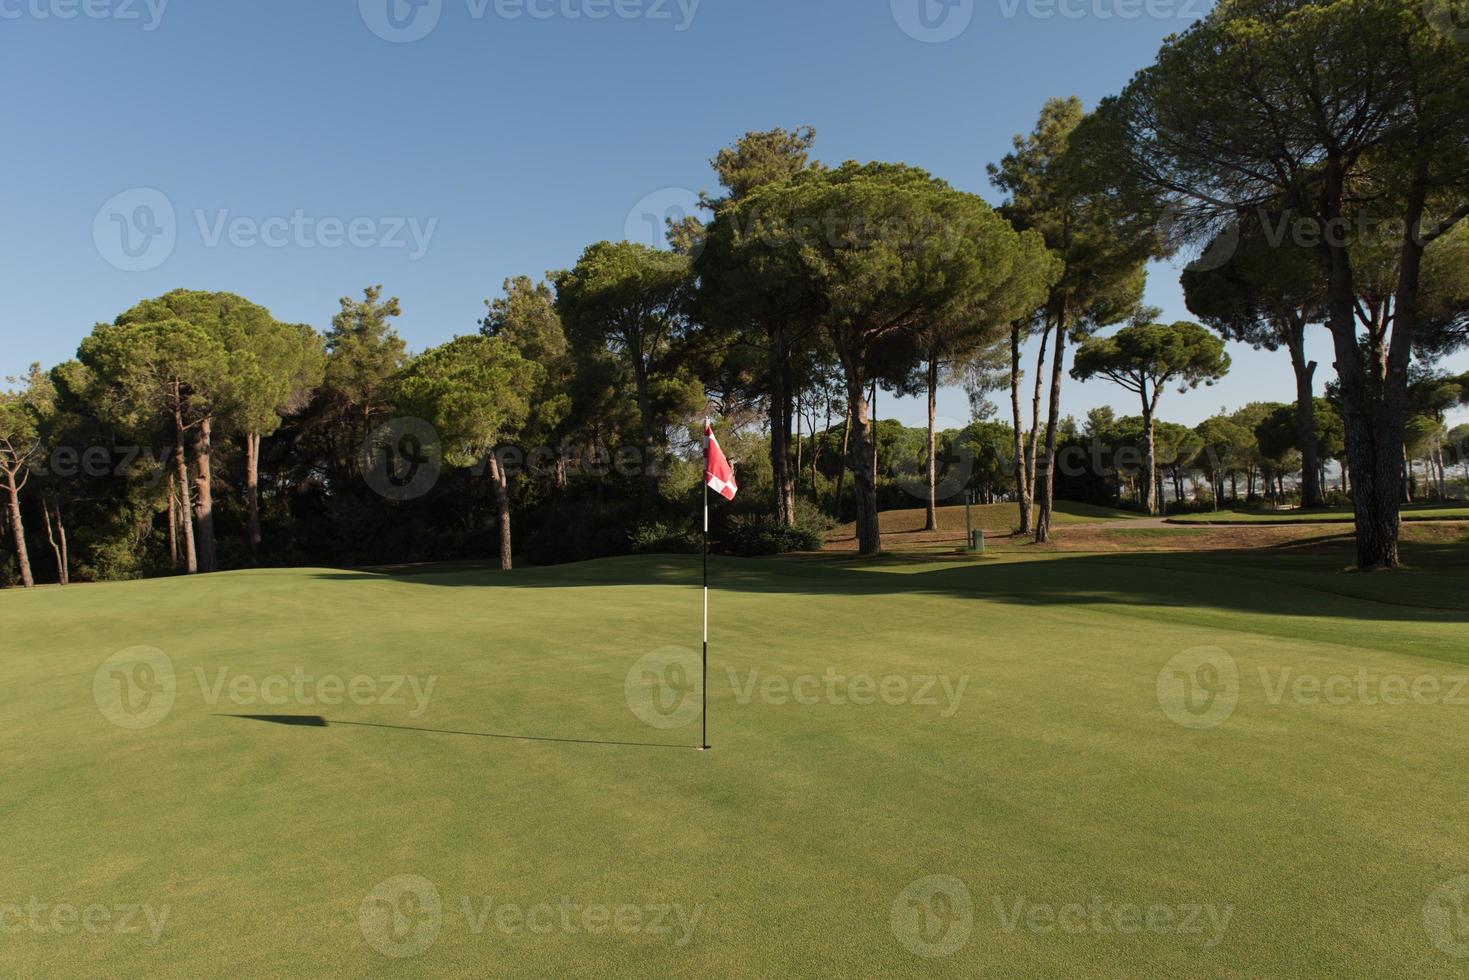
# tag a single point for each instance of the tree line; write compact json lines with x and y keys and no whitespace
{"x":1329,"y":199}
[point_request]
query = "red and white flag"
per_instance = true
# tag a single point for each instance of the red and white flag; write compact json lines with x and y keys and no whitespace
{"x":718,"y":474}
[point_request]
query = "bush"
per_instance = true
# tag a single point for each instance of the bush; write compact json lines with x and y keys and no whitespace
{"x":762,"y":534}
{"x":1200,"y":504}
{"x":812,"y":518}
{"x":662,"y":538}
{"x":574,"y":530}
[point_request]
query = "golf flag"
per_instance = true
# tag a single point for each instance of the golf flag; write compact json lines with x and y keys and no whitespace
{"x":719,"y":477}
{"x":718,"y":474}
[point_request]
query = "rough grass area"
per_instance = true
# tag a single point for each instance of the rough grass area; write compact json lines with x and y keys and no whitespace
{"x":993,"y":519}
{"x":1410,"y":512}
{"x":1015,"y":730}
{"x":1092,"y":539}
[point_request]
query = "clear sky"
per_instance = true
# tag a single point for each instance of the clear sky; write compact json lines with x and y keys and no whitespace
{"x":294,"y":152}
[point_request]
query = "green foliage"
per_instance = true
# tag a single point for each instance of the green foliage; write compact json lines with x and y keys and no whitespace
{"x":1261,"y":293}
{"x":761,"y":158}
{"x":1146,"y":357}
{"x":662,"y":537}
{"x":151,"y":369}
{"x":626,"y":297}
{"x":879,"y":255}
{"x":1226,"y":444}
{"x":20,"y":423}
{"x":1102,"y":249}
{"x":475,"y":391}
{"x":761,"y":534}
{"x":526,"y":318}
{"x":363,"y":351}
{"x":630,"y":300}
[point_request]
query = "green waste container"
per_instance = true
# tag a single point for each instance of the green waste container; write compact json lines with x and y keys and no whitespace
{"x":976,"y":542}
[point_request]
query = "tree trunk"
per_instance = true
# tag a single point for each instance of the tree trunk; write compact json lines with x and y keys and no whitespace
{"x":204,"y":497}
{"x":173,"y":525}
{"x":1047,"y":494}
{"x":796,"y":472}
{"x":873,"y":407}
{"x":842,"y":469}
{"x":1305,"y":371}
{"x":252,"y":487}
{"x":931,"y":517}
{"x":56,"y":537}
{"x":783,"y":494}
{"x":1022,"y":468}
{"x":864,"y":474}
{"x":502,"y":503}
{"x":17,"y":530}
{"x":1033,"y":444}
{"x":65,"y":546}
{"x":1373,"y":410}
{"x":191,"y":560}
{"x":816,"y":450}
{"x":1150,"y":458}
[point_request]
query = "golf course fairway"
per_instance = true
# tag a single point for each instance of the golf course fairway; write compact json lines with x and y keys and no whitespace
{"x":920,"y":767}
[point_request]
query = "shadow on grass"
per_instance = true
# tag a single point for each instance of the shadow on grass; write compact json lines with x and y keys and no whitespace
{"x":317,"y":721}
{"x":1295,"y":580}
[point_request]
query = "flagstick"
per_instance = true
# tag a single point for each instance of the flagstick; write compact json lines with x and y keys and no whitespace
{"x":704,"y":740}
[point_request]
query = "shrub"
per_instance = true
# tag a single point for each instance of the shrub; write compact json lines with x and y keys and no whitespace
{"x":663,"y":538}
{"x":762,"y":534}
{"x":1200,"y":504}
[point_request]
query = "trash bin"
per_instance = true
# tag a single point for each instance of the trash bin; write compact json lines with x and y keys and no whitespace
{"x":976,"y":542}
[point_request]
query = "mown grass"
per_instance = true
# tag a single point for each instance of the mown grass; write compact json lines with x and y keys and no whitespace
{"x":1339,"y":515}
{"x":1057,"y":779}
{"x":994,"y":518}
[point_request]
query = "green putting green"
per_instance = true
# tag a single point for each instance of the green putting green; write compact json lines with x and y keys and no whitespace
{"x":1016,"y":766}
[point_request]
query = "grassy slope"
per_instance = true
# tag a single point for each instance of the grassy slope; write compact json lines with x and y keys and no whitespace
{"x":1411,"y":512}
{"x":1058,"y":778}
{"x":999,"y":518}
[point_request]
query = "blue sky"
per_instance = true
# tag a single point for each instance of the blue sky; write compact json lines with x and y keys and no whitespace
{"x":302,"y":150}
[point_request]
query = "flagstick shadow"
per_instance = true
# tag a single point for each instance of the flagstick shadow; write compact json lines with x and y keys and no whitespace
{"x":317,"y":721}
